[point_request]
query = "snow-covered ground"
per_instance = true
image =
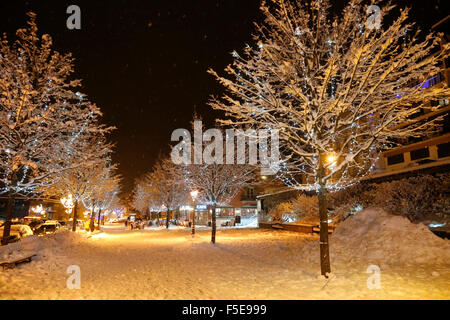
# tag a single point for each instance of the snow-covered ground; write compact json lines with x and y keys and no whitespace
{"x":244,"y":264}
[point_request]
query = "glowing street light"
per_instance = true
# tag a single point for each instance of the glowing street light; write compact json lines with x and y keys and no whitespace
{"x":331,"y":159}
{"x":68,"y":203}
{"x":194,"y":194}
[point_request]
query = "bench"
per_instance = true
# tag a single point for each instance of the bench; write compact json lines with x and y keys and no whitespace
{"x":13,"y":264}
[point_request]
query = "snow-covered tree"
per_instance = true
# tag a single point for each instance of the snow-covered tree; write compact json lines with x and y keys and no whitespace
{"x":217,"y":184}
{"x":104,"y":193}
{"x":142,"y":196}
{"x":41,"y":115}
{"x":165,"y":187}
{"x":83,"y":181}
{"x":339,"y":87}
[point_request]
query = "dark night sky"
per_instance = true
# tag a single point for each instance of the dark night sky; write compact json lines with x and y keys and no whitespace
{"x":144,"y":62}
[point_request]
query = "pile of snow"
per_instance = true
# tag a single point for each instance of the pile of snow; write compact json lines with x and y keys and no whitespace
{"x":377,"y":237}
{"x":45,"y":246}
{"x":248,"y":222}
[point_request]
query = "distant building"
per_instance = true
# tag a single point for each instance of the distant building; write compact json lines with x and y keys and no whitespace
{"x":428,"y":155}
{"x":24,"y":207}
{"x":21,"y":208}
{"x":243,"y":205}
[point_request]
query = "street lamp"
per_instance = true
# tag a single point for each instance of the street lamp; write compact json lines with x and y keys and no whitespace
{"x":331,"y":159}
{"x":194,"y":194}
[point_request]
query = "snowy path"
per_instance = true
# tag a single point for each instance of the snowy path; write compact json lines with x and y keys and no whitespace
{"x":245,"y":264}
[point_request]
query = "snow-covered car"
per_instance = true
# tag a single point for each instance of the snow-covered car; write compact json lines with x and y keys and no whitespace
{"x":34,"y":224}
{"x":63,"y":223}
{"x":18,"y":231}
{"x":47,"y":228}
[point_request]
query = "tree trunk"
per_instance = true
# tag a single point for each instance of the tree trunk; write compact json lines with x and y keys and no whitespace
{"x":167,"y":219}
{"x":213,"y":224}
{"x":324,"y":245}
{"x":75,"y":217}
{"x":9,"y":214}
{"x":99,"y":217}
{"x":193,"y":221}
{"x":323,"y":214}
{"x":92,"y":221}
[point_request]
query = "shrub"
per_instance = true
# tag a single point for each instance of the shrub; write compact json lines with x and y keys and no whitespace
{"x":306,"y":208}
{"x":358,"y":195}
{"x":279,"y":212}
{"x":302,"y":207}
{"x":413,"y":197}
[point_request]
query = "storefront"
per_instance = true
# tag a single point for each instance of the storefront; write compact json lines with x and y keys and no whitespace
{"x":225,"y":212}
{"x":201,"y":214}
{"x":225,"y":215}
{"x":247,"y":211}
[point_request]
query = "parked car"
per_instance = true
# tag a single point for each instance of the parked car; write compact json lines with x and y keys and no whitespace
{"x":18,"y":232}
{"x":34,"y":224}
{"x":47,"y":228}
{"x":63,"y":223}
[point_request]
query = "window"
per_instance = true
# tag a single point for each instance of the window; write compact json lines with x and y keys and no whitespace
{"x":435,"y":103}
{"x":440,"y":102}
{"x":248,"y":212}
{"x":398,"y":158}
{"x":225,"y":212}
{"x":443,"y":150}
{"x":420,"y":154}
{"x":249,"y":194}
{"x":443,"y":102}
